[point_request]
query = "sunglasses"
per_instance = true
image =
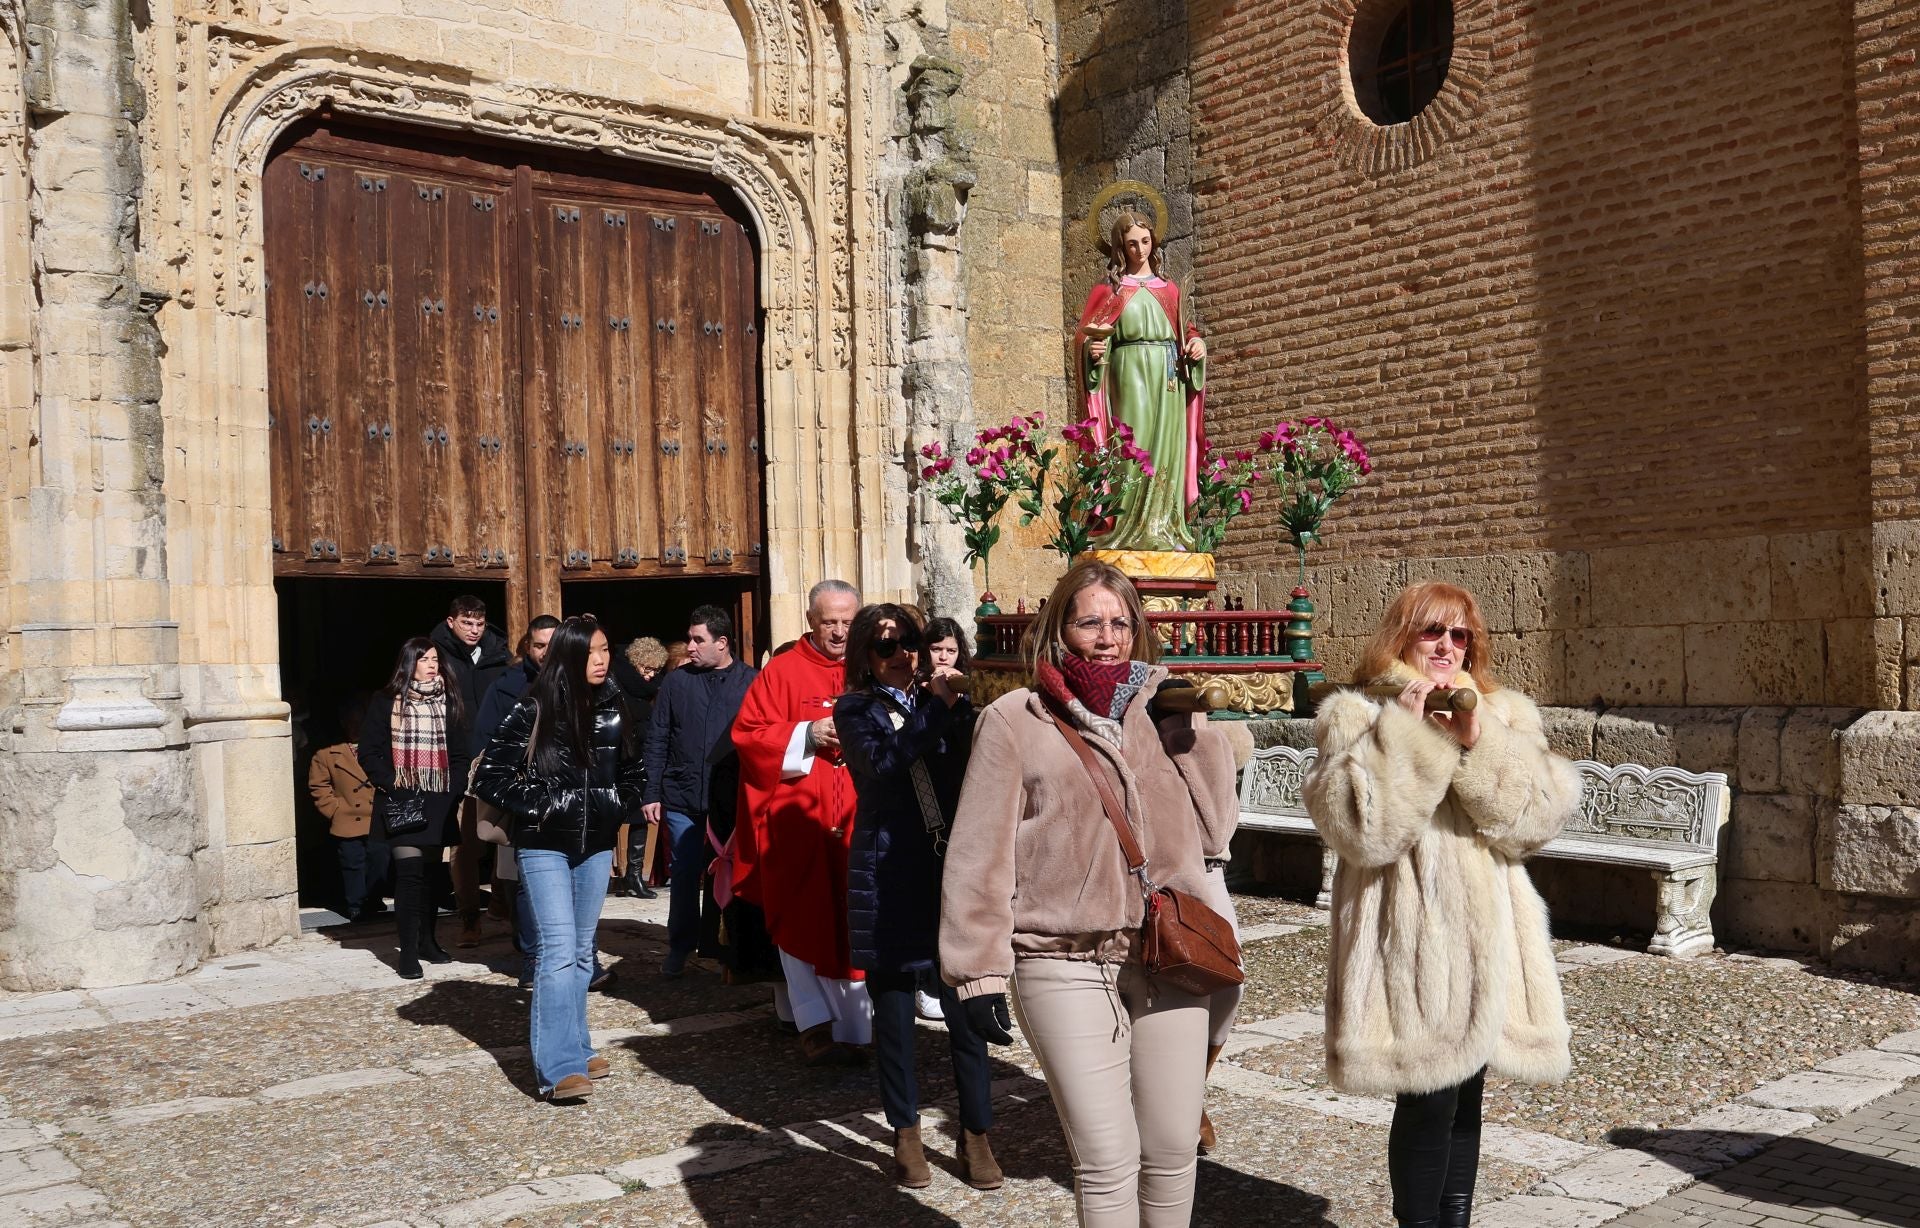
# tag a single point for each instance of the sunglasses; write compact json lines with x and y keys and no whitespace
{"x":1461,"y":636}
{"x":884,"y":649}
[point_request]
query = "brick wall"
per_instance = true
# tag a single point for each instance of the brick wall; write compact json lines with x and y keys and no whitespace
{"x":1616,"y":303}
{"x":1887,"y":79}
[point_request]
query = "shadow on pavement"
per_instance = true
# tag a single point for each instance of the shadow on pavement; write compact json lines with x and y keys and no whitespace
{"x":1802,"y":1173}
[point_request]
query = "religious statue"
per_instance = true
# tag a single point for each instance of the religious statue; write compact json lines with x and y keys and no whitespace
{"x":1143,"y":363}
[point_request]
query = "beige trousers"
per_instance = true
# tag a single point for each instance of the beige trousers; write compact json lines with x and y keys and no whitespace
{"x":1222,"y":1004}
{"x":1127,"y":1070}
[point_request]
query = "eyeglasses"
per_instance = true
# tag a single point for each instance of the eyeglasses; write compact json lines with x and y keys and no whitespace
{"x":1092,"y":626}
{"x":884,"y":649}
{"x":1462,"y":637}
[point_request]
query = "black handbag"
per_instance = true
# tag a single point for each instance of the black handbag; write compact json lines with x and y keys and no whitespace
{"x":401,"y":815}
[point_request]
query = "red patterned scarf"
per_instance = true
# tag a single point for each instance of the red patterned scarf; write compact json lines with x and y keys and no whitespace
{"x":419,"y":727}
{"x":1103,"y":688}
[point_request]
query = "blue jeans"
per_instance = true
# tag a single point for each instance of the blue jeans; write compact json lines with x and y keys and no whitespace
{"x":566,"y":894}
{"x":523,"y":933}
{"x":687,"y":838}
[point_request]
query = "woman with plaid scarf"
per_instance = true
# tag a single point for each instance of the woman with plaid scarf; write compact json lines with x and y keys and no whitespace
{"x":415,"y":747}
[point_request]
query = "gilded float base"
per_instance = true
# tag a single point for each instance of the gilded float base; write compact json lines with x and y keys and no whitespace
{"x":1159,"y":564}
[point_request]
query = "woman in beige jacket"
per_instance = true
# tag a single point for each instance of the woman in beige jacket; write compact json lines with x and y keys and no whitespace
{"x":1441,"y":968}
{"x":1036,"y":892}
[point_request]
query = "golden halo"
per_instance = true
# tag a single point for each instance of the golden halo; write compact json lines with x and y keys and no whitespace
{"x":1125,"y":187}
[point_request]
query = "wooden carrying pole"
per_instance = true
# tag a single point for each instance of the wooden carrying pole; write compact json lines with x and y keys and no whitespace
{"x":1440,"y":699}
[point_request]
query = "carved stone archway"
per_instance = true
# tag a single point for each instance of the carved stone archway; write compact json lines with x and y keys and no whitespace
{"x":774,"y":168}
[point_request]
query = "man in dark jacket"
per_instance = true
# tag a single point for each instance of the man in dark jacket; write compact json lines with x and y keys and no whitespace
{"x":694,"y":710}
{"x":513,"y":682}
{"x":473,"y":656}
{"x":471,"y":652}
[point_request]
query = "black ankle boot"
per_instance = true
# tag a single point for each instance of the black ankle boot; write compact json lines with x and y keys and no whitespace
{"x":409,"y":899}
{"x":1456,"y":1210}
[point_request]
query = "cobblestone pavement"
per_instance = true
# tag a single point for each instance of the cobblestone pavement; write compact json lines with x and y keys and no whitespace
{"x":307,"y":1086}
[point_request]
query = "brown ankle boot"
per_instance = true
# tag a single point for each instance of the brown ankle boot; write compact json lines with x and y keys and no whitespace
{"x":910,"y":1160}
{"x":1208,"y":1140}
{"x":977,"y":1166}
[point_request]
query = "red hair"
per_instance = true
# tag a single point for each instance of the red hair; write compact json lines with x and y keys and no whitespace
{"x":1419,"y":606}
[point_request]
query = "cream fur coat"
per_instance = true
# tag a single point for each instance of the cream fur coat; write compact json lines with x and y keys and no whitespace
{"x":1441,"y":960}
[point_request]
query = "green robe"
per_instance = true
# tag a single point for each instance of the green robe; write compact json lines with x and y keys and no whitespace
{"x":1140,"y":394}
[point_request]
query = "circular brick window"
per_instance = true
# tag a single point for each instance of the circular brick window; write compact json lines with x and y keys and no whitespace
{"x":1398,"y":56}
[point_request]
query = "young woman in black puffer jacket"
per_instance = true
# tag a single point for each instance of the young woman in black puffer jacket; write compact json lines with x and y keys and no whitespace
{"x":565,"y":767}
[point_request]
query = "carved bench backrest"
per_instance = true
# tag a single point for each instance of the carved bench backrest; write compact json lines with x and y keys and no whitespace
{"x":1629,"y":804}
{"x":1622,"y":803}
{"x":1271,"y":782}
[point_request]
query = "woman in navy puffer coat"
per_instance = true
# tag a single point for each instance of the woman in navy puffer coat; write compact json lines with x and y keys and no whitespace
{"x":906,"y":745}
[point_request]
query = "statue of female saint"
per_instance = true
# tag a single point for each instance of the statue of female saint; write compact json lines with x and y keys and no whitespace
{"x":1143,"y":364}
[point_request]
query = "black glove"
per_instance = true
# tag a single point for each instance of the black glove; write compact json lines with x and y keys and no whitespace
{"x":987,"y":1016}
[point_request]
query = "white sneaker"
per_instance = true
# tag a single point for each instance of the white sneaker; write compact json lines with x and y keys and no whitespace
{"x":926,"y":1005}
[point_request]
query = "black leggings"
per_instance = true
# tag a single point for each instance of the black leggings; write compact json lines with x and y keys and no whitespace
{"x":1433,"y":1153}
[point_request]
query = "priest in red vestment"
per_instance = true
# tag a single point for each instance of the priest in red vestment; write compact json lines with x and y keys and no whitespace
{"x":796,"y":826}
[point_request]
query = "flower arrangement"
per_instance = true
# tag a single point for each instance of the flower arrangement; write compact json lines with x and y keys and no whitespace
{"x":1226,"y":481}
{"x":1001,"y":464}
{"x":1313,"y":463}
{"x":1096,"y":476}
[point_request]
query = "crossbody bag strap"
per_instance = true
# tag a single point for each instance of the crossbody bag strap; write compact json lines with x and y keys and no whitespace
{"x":930,"y":813}
{"x":1116,"y":815}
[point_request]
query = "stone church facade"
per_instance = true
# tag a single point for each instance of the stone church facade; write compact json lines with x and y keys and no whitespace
{"x":1632,"y":356}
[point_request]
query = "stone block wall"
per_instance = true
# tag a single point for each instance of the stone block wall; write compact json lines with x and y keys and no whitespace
{"x":682,"y":52}
{"x":1779,"y":619}
{"x":1012,"y":241}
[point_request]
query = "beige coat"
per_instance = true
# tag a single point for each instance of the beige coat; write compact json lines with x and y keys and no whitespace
{"x":341,"y":790}
{"x":1441,"y":961}
{"x":1034,"y":868}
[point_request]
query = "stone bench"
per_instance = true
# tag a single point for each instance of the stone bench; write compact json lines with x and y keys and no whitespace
{"x":1664,"y":820}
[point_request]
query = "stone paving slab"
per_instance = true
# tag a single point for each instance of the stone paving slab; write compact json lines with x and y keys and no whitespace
{"x":1863,"y":1168}
{"x":1815,"y":1091}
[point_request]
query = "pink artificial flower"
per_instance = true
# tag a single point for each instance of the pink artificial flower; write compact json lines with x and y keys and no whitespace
{"x":1146,"y":470}
{"x":977,"y":455}
{"x":1246,"y":500}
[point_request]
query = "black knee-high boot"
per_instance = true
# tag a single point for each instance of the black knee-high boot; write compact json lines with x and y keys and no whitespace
{"x":430,"y":948}
{"x":409,"y":900}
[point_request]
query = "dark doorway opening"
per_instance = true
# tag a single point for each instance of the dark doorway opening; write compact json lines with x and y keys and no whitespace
{"x":338,"y":640}
{"x":660,"y":607}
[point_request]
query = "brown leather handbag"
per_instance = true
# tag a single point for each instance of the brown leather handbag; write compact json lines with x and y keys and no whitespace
{"x":1183,"y":943}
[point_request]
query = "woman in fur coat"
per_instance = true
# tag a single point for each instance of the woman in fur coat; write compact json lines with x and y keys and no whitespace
{"x":1441,"y":967}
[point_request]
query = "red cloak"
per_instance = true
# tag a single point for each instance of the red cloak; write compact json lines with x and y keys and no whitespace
{"x":1105,"y":304}
{"x":790,"y":845}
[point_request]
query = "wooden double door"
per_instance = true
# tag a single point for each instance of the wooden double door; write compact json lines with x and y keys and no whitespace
{"x":492,"y":366}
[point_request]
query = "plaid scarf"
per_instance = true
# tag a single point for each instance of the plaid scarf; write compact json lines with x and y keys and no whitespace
{"x":419,"y":726}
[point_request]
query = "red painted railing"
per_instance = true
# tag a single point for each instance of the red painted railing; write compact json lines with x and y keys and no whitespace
{"x":1229,"y":641}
